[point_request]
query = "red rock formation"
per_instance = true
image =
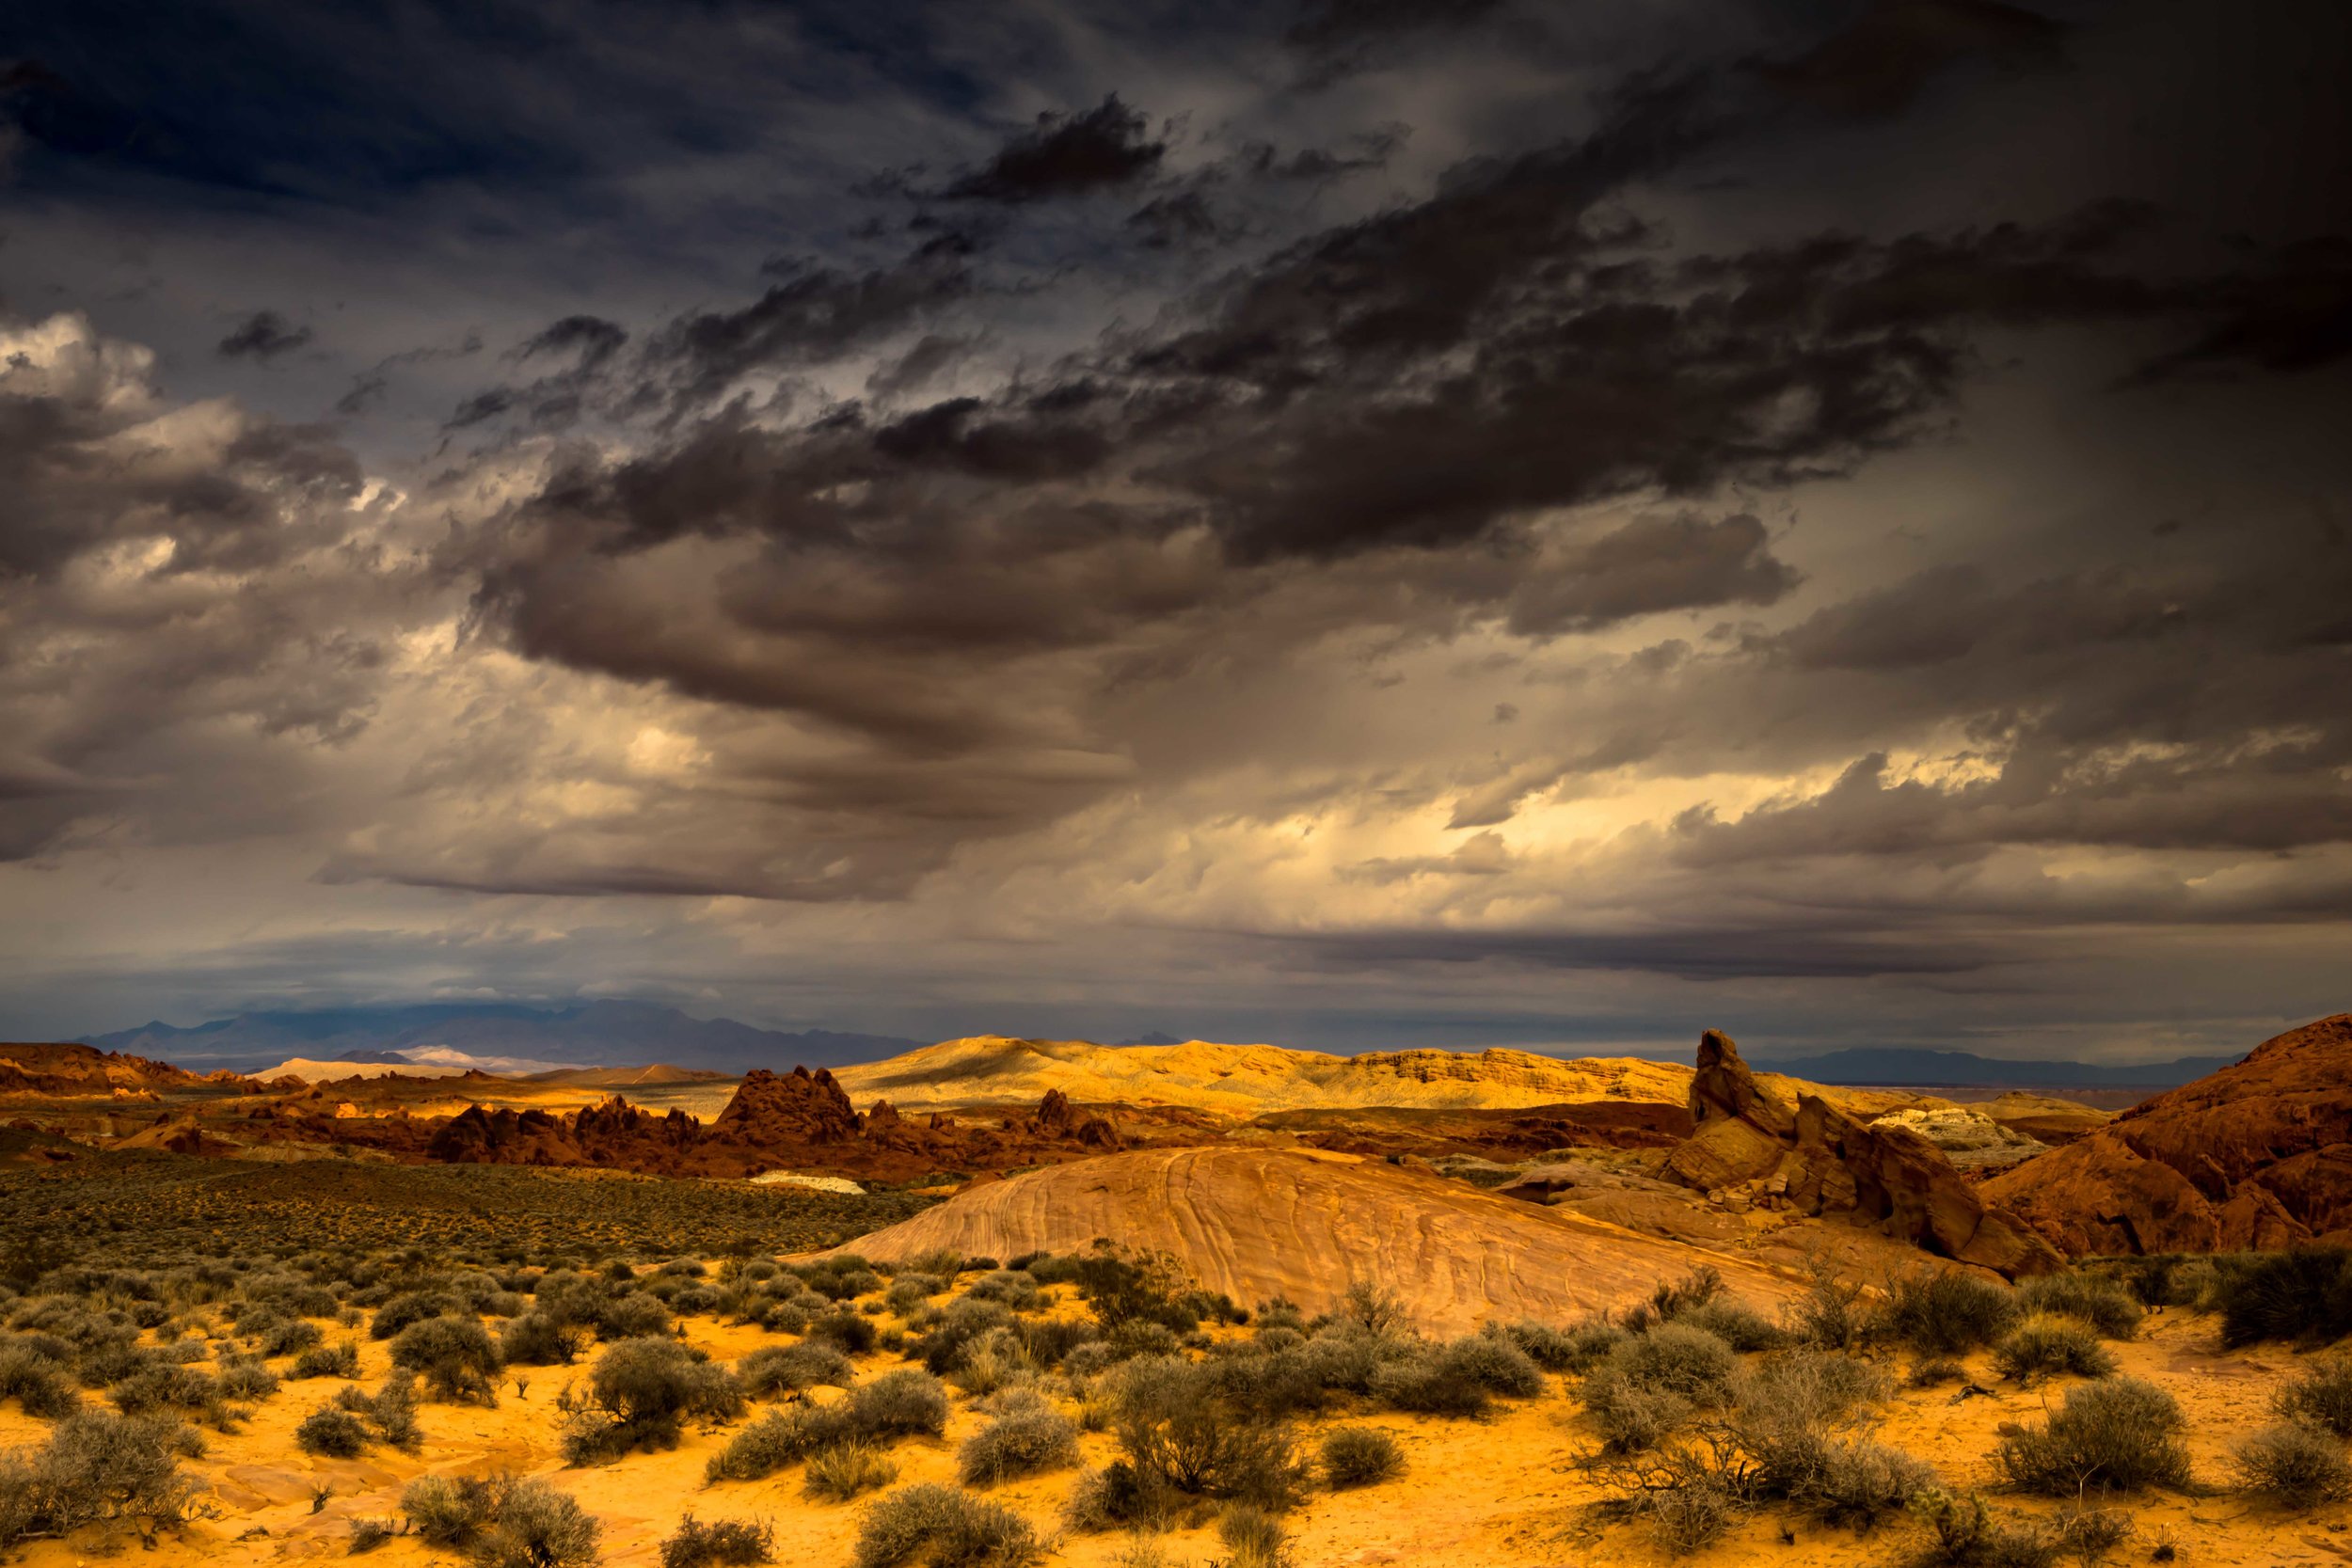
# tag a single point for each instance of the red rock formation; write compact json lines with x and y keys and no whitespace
{"x":83,"y":1070}
{"x":2256,"y":1155}
{"x":1816,"y":1160}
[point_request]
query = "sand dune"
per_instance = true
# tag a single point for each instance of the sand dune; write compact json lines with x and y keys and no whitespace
{"x":1257,"y":1223}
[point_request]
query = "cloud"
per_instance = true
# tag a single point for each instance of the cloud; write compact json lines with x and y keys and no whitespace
{"x":1881,"y":62}
{"x":262,"y":336}
{"x":1065,"y":155}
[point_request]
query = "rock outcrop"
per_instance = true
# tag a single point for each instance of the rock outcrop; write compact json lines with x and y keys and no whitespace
{"x":1752,"y":1148}
{"x":1259,"y":1223}
{"x":1970,"y":1139}
{"x":2257,"y":1155}
{"x":68,"y":1070}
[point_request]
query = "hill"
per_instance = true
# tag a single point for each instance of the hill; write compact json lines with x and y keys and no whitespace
{"x":594,"y":1034}
{"x":75,"y":1069}
{"x":1892,"y":1067}
{"x":1261,"y":1222}
{"x":2256,"y":1155}
{"x":1248,"y":1079}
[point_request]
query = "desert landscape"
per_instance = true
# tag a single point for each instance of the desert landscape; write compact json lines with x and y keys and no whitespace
{"x":1256,"y":1307}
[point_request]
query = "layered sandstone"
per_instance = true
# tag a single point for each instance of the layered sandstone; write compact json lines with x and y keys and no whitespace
{"x":1259,"y":1223}
{"x":2256,"y":1155}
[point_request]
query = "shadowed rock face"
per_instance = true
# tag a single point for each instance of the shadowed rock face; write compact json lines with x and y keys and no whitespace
{"x":1815,"y":1159}
{"x":2257,"y":1155}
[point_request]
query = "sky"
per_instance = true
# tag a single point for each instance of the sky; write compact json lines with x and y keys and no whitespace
{"x":1361,"y":524}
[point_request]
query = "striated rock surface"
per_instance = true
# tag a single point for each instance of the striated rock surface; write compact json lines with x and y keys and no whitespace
{"x":2256,"y":1155}
{"x":1257,"y":1223}
{"x":1816,"y":1159}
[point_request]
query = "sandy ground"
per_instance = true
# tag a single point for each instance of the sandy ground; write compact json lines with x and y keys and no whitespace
{"x":1501,"y":1493}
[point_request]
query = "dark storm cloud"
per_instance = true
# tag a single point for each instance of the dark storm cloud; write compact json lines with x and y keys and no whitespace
{"x":1066,"y":154}
{"x":591,"y":338}
{"x":1880,"y":64}
{"x":262,"y":335}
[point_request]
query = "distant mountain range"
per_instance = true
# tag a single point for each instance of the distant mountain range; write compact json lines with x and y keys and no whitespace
{"x":594,"y":1033}
{"x":1905,"y":1069}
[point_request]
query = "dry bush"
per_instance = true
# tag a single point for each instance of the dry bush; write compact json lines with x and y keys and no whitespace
{"x":897,"y":1404}
{"x":1945,"y":1311}
{"x":2119,"y":1435}
{"x":2321,"y":1395}
{"x":368,"y":1534}
{"x":1253,"y":1538}
{"x":1360,"y":1456}
{"x":2042,"y":1346}
{"x":774,"y":1369}
{"x":1179,"y":1434}
{"x":337,"y":1361}
{"x":943,"y":1528}
{"x":1649,"y":1384}
{"x":640,"y":1393}
{"x":2103,"y":1304}
{"x":2302,"y":1294}
{"x":721,"y":1543}
{"x":2293,"y":1464}
{"x":38,"y":1382}
{"x":843,"y":1471}
{"x":337,"y":1433}
{"x":454,"y":1357}
{"x":1028,"y":1436}
{"x":1962,"y":1533}
{"x":1933,"y":1371}
{"x":97,"y":1468}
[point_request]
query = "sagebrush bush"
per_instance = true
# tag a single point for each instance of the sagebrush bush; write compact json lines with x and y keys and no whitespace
{"x":2103,"y":1304}
{"x":1945,"y":1311}
{"x":540,"y":1339}
{"x":535,"y":1526}
{"x":720,"y":1544}
{"x":1931,"y":1372}
{"x":640,"y":1393}
{"x":2321,"y":1395}
{"x":1735,"y":1322}
{"x":454,"y":1357}
{"x":2117,"y":1435}
{"x":1029,"y":1436}
{"x":336,"y":1360}
{"x":1962,"y":1533}
{"x":2042,"y":1346}
{"x":1650,"y":1382}
{"x":97,"y":1468}
{"x":2302,"y":1294}
{"x":1360,"y":1456}
{"x":36,"y":1381}
{"x":773,"y":1369}
{"x":335,"y":1432}
{"x":841,"y":1471}
{"x":412,"y":1306}
{"x":1253,"y":1538}
{"x":897,"y":1404}
{"x":943,"y":1528}
{"x":1178,"y":1433}
{"x":2293,"y":1464}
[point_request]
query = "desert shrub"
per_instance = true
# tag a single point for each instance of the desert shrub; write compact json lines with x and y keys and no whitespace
{"x":2320,"y":1395}
{"x":1672,"y":1299}
{"x":1735,"y":1322}
{"x":540,"y":1339}
{"x":1931,"y":1371}
{"x":2087,"y":1534}
{"x":841,"y":1471}
{"x":535,"y":1526}
{"x":1962,"y":1533}
{"x":163,"y":1387}
{"x":97,"y":1467}
{"x":448,"y":1511}
{"x":454,"y":1355}
{"x":904,"y":1404}
{"x":943,"y":1528}
{"x":1253,"y":1538}
{"x":1044,"y":1341}
{"x":410,"y":1307}
{"x":2042,"y":1346}
{"x":1650,"y":1382}
{"x":246,"y":1380}
{"x":335,"y":1432}
{"x":36,"y":1381}
{"x":631,"y":1315}
{"x":1029,"y":1436}
{"x":640,"y":1392}
{"x":1549,"y":1347}
{"x":911,"y":1288}
{"x":2302,"y":1294}
{"x":1945,"y":1311}
{"x":391,"y":1410}
{"x":774,"y":1369}
{"x":721,"y":1543}
{"x":337,"y":1361}
{"x":1423,"y":1384}
{"x":845,"y":1285}
{"x":367,"y":1534}
{"x":779,"y":1438}
{"x":961,"y":1324}
{"x":2119,"y":1435}
{"x":846,"y":1331}
{"x":2293,"y":1464}
{"x":1360,"y":1456}
{"x":2103,"y":1304}
{"x":1178,"y":1434}
{"x":1789,"y":1431}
